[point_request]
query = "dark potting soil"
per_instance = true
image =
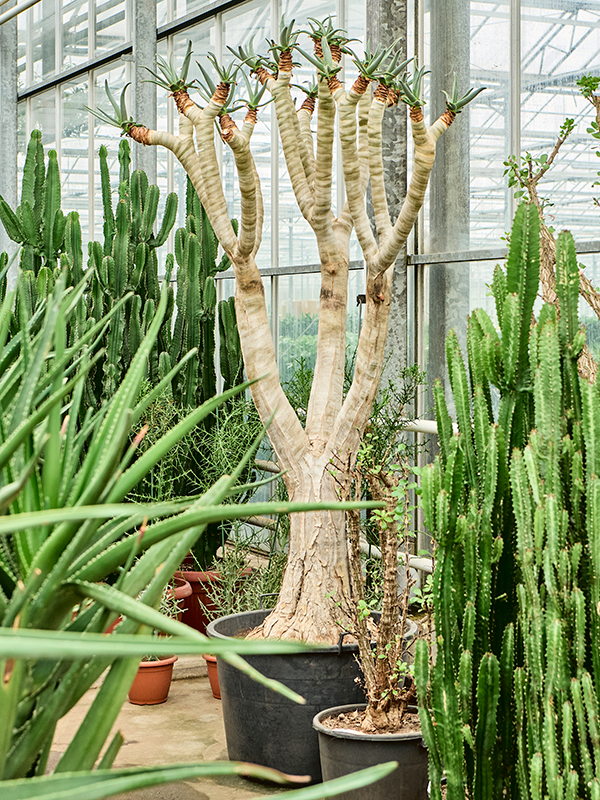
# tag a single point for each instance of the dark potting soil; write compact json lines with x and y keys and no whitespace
{"x":353,"y":721}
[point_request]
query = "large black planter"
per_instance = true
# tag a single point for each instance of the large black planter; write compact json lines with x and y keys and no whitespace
{"x":266,"y":728}
{"x":346,"y":751}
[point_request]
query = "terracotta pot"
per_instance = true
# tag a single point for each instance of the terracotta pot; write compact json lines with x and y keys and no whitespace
{"x":213,"y":675}
{"x":152,"y":683}
{"x":194,"y":613}
{"x":183,"y":590}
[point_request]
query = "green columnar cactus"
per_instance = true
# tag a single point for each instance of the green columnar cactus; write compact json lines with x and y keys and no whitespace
{"x":39,"y":224}
{"x":196,"y":248}
{"x":510,"y":710}
{"x":230,"y":350}
{"x":130,"y":264}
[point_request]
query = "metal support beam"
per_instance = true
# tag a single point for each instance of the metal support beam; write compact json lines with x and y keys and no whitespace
{"x":386,"y":24}
{"x":144,"y":94}
{"x":449,"y":199}
{"x":8,"y":129}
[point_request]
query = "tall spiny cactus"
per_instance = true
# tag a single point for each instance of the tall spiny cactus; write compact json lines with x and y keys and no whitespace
{"x":128,"y":263}
{"x":196,"y":248}
{"x":513,"y":503}
{"x":38,"y":224}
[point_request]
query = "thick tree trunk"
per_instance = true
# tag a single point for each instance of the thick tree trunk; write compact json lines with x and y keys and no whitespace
{"x":313,"y":600}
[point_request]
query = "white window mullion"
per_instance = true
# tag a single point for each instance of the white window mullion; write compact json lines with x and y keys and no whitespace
{"x":29,"y":49}
{"x":58,"y":61}
{"x":275,"y":14}
{"x":58,"y":120}
{"x":91,"y":148}
{"x":514,"y":96}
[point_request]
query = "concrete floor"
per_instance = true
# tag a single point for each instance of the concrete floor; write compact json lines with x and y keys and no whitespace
{"x":188,"y":727}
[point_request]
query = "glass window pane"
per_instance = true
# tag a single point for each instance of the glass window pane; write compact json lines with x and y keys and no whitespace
{"x":43,"y":39}
{"x":43,"y":117}
{"x":559,"y":45}
{"x":489,"y":116}
{"x":22,"y":139}
{"x":184,"y":7}
{"x":117,"y":75}
{"x":299,"y":319}
{"x":75,"y":33}
{"x":22,"y":28}
{"x":111,"y":29}
{"x":74,"y":164}
{"x":162,"y":13}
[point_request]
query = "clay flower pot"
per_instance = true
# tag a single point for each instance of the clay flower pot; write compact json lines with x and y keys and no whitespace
{"x":194,"y":613}
{"x":152,"y":683}
{"x":213,"y":675}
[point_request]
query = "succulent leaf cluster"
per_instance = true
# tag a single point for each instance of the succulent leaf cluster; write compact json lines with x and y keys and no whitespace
{"x":121,"y":119}
{"x":454,"y":102}
{"x":168,"y":77}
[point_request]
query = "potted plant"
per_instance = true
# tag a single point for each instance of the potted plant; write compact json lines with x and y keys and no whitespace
{"x":238,"y":588}
{"x":153,"y":679}
{"x":386,"y":726}
{"x":331,"y":676}
{"x":218,"y":448}
{"x":317,"y":578}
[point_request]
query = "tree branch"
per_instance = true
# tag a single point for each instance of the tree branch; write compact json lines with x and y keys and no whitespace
{"x":424,"y":155}
{"x":324,"y":160}
{"x":380,"y":206}
{"x":291,"y":142}
{"x":305,"y":113}
{"x":249,"y":233}
{"x":347,"y":112}
{"x":214,"y":203}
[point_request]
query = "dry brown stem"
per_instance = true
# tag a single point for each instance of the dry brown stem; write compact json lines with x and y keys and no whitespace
{"x":448,"y":117}
{"x":360,"y":85}
{"x":140,"y":134}
{"x":182,"y":100}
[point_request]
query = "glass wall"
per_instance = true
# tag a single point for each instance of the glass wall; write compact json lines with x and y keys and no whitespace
{"x":530,"y":70}
{"x":59,"y":35}
{"x":530,"y":67}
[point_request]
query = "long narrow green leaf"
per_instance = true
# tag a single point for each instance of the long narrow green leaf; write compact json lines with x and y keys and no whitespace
{"x":28,"y":643}
{"x":157,"y":533}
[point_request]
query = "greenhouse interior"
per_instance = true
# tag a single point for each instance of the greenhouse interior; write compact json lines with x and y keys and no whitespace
{"x":299,"y":342}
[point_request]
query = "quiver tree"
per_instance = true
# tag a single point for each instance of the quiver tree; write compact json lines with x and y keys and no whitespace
{"x":317,"y":579}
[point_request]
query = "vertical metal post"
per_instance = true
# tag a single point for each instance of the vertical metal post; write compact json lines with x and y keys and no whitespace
{"x":514,"y":101}
{"x":8,"y":129}
{"x":449,"y":193}
{"x":274,"y":200}
{"x":386,"y":24}
{"x":143,"y":29}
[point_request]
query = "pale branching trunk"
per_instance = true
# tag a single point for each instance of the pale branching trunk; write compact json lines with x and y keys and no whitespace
{"x":313,"y":603}
{"x":313,"y":600}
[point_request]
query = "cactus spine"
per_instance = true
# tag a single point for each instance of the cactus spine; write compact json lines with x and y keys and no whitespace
{"x":513,"y":500}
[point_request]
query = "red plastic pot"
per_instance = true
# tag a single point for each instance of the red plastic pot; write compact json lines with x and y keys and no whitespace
{"x":194,"y":613}
{"x":183,"y":590}
{"x":152,"y":683}
{"x":213,"y":675}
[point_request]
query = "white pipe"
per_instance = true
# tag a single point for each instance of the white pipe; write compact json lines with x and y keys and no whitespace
{"x":12,"y":12}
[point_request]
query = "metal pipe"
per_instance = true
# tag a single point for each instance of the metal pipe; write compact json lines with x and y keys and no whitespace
{"x":12,"y":12}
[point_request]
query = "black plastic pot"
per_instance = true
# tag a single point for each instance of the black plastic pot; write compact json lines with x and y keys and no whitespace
{"x":345,"y":751}
{"x":265,"y":728}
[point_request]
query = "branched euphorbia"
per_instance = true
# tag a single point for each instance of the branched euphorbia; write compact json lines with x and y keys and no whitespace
{"x":317,"y":579}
